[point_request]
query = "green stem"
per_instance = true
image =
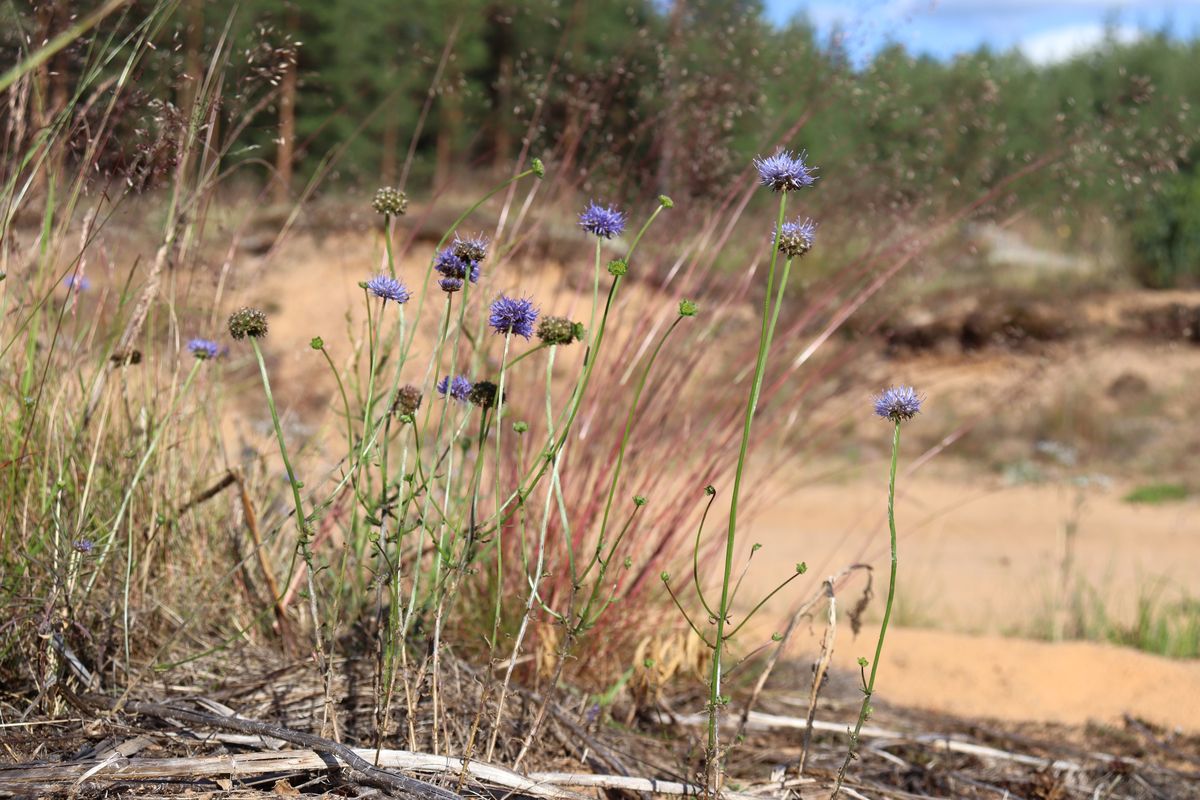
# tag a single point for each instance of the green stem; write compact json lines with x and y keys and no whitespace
{"x":764,"y":344}
{"x":869,"y":688}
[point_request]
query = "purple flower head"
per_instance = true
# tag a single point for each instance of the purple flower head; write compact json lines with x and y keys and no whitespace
{"x":450,"y":285}
{"x":452,"y":265}
{"x":513,"y":315}
{"x":203,"y":349}
{"x":898,"y":403}
{"x":456,"y":388}
{"x":85,"y":546}
{"x":796,"y":237}
{"x":785,"y":171}
{"x":603,"y":221}
{"x":388,"y":288}
{"x":77,"y":283}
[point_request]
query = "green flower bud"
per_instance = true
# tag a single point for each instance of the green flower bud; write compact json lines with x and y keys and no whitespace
{"x":618,"y":267}
{"x":520,"y":426}
{"x":665,"y":201}
{"x":538,"y":168}
{"x":316,"y":343}
{"x":687,"y":308}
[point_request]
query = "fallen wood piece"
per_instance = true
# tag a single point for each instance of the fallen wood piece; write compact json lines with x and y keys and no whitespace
{"x":14,"y":777}
{"x":336,"y":751}
{"x":762,"y":721}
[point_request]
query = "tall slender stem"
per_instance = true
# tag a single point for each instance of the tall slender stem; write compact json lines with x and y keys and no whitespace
{"x":869,"y":688}
{"x":713,"y":775}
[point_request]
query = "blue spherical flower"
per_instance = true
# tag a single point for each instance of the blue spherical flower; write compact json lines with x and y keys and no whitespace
{"x":456,"y":388}
{"x":603,"y":221}
{"x":450,"y":285}
{"x":388,"y":288}
{"x":203,"y":349}
{"x":513,"y":315}
{"x":784,"y":171}
{"x":796,"y":237}
{"x":452,"y":265}
{"x":898,"y":403}
{"x":85,"y":546}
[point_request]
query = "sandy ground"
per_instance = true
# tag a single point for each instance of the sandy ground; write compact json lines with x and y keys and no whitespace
{"x":980,"y":560}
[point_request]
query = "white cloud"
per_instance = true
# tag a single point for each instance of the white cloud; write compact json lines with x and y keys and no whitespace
{"x":1061,"y":44}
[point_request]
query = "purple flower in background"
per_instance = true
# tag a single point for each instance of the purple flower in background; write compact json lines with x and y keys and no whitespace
{"x":456,"y":388}
{"x":450,"y":285}
{"x":203,"y":349}
{"x":85,"y":546}
{"x":452,"y":265}
{"x":784,"y":171}
{"x":898,"y":403}
{"x":513,"y":315}
{"x":77,"y":283}
{"x":796,"y":237}
{"x":388,"y":288}
{"x":603,"y":221}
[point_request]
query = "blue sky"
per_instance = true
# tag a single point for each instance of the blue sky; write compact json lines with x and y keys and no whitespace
{"x":1046,"y":30}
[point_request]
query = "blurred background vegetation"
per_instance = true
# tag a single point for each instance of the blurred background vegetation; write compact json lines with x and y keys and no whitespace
{"x":676,"y":95}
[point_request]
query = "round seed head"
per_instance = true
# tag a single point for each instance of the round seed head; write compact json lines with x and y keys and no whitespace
{"x":247,"y":322}
{"x":484,"y":394}
{"x":408,"y":400}
{"x":559,"y":330}
{"x":390,"y":202}
{"x":687,"y":308}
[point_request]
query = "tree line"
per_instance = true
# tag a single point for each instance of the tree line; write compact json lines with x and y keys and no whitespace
{"x":677,"y":96}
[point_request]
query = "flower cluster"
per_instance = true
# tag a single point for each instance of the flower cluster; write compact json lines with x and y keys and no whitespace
{"x":203,"y":349}
{"x":898,"y":403}
{"x":387,"y":288}
{"x":456,"y":388}
{"x":456,"y":266}
{"x":785,"y":171}
{"x":513,"y":315}
{"x":602,"y":221}
{"x":390,"y":202}
{"x":795,"y":238}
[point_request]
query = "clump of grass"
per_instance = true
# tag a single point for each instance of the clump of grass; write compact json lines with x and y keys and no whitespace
{"x":1159,"y":624}
{"x":1157,"y":493}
